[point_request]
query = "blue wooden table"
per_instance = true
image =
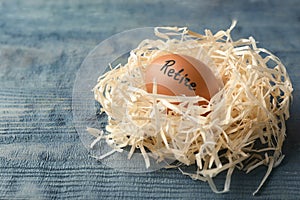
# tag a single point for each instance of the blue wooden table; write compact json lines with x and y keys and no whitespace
{"x":42,"y":45}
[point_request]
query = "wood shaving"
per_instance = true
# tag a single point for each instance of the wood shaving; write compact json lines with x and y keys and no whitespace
{"x":245,"y":124}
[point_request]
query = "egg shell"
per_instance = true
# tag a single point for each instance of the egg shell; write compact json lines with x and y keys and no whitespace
{"x":178,"y":75}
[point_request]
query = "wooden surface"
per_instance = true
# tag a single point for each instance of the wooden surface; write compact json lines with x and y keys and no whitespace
{"x":42,"y":44}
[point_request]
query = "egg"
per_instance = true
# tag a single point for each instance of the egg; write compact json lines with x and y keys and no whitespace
{"x":179,"y":75}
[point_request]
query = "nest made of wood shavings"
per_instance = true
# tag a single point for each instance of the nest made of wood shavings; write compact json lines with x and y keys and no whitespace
{"x":245,"y":124}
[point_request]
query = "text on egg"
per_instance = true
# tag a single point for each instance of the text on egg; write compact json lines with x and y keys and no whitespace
{"x":177,"y":76}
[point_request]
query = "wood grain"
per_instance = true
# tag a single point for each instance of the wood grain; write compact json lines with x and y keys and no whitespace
{"x":42,"y":44}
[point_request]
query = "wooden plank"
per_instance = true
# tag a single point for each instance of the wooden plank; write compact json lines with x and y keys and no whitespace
{"x":42,"y":44}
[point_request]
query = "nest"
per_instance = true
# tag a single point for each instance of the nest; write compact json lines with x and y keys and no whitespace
{"x":245,"y":125}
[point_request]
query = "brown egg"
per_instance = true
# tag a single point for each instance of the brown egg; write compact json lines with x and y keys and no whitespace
{"x":179,"y":75}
